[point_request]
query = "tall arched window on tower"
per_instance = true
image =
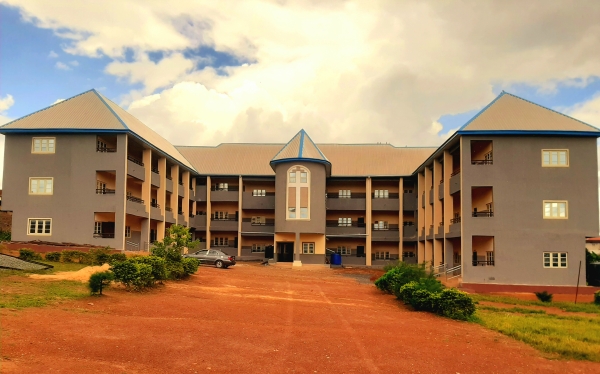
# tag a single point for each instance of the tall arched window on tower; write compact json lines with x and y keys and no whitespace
{"x":298,"y":193}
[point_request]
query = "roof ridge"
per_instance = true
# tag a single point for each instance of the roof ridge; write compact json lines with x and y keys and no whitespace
{"x":317,"y":147}
{"x":111,"y":109}
{"x":481,"y":111}
{"x":552,"y":110}
{"x":48,"y":107}
{"x":286,"y":144}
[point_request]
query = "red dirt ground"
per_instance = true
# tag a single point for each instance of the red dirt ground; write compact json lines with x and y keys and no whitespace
{"x":253,"y":319}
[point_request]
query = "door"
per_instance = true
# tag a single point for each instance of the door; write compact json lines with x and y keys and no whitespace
{"x":269,"y":251}
{"x":212,"y":256}
{"x":200,"y":255}
{"x":360,"y":251}
{"x":285,"y":252}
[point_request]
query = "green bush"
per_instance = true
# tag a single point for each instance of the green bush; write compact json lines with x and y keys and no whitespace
{"x":29,"y":255}
{"x":99,"y":280}
{"x":117,"y":257}
{"x":53,"y":256}
{"x":5,"y":236}
{"x":132,"y":274}
{"x":159,"y":266}
{"x":597,"y":298}
{"x":175,"y":270}
{"x":544,"y":296}
{"x":190,"y":265}
{"x":76,"y":256}
{"x":144,"y":277}
{"x":407,"y":292}
{"x":100,"y":256}
{"x":400,"y":275}
{"x":454,"y":304}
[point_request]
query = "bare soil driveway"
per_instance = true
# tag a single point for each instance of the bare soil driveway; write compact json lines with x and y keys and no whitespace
{"x":253,"y":319}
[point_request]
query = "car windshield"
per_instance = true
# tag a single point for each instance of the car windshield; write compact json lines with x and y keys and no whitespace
{"x":201,"y":252}
{"x":214,"y":253}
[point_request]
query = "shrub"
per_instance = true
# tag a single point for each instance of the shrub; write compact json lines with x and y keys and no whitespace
{"x":171,"y":248}
{"x":400,"y":275}
{"x":597,"y":298}
{"x":190,"y":265}
{"x":544,"y":296}
{"x":100,"y":256}
{"x":144,"y":277}
{"x":454,"y":304}
{"x":423,"y":300}
{"x":5,"y":236}
{"x":175,"y":270}
{"x":133,"y":274}
{"x":29,"y":255}
{"x":407,"y":292}
{"x":76,"y":256}
{"x":99,"y":280}
{"x":159,"y":266}
{"x":117,"y":257}
{"x":53,"y":256}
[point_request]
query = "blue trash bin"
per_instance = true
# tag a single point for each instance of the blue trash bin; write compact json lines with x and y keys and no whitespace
{"x":336,"y":259}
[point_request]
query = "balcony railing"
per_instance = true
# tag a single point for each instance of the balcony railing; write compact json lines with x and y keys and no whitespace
{"x":135,"y":199}
{"x":483,"y":214}
{"x":155,"y":204}
{"x":135,"y":160}
{"x":333,"y":195}
{"x":390,"y":196}
{"x":267,"y":222}
{"x":104,"y":191}
{"x":155,"y":170}
{"x":483,"y":262}
{"x":106,"y":149}
{"x":482,"y":162}
{"x":169,"y":177}
{"x":180,"y":183}
{"x":223,"y":219}
{"x":455,"y":220}
{"x":105,"y":235}
{"x":168,"y":209}
{"x":455,"y":172}
{"x":388,"y":228}
{"x":180,"y":212}
{"x":230,"y":188}
{"x":200,"y":213}
{"x":333,"y":223}
{"x":191,"y":215}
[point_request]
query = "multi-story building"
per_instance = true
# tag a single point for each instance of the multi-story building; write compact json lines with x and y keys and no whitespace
{"x":507,"y":199}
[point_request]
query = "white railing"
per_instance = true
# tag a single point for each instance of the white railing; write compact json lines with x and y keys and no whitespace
{"x":454,"y":272}
{"x":131,"y":246}
{"x":438,"y":270}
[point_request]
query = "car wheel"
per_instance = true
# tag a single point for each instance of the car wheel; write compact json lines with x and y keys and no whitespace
{"x":219,"y":264}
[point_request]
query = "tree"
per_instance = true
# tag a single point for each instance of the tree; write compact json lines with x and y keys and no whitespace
{"x":171,"y":248}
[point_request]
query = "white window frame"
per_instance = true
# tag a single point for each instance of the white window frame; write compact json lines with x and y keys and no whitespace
{"x":554,"y":260}
{"x":381,"y":225}
{"x":258,"y":248}
{"x":345,"y":194}
{"x":128,"y":231}
{"x":97,"y":228}
{"x":308,"y":248}
{"x":343,"y":250}
{"x":50,"y":145}
{"x":490,"y":257}
{"x":37,"y":183}
{"x":221,"y":216}
{"x":29,"y":220}
{"x":259,"y":193}
{"x":344,"y":222}
{"x":258,"y":220}
{"x":549,"y":153}
{"x":222,"y":187}
{"x":382,"y":194}
{"x":552,"y":216}
{"x":295,"y":179}
{"x":382,"y":255}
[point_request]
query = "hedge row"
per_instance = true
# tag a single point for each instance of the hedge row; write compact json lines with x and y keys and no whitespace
{"x":420,"y":289}
{"x":96,"y":256}
{"x":138,"y":273}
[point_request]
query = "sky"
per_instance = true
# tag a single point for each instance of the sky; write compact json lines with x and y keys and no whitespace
{"x":199,"y":72}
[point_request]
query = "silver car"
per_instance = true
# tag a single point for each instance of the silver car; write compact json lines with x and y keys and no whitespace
{"x":213,"y":257}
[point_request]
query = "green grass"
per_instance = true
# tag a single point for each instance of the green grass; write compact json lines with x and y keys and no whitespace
{"x":565,"y":306}
{"x":61,"y":266}
{"x":570,"y":337}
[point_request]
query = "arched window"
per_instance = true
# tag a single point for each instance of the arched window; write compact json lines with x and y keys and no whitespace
{"x":298,"y":193}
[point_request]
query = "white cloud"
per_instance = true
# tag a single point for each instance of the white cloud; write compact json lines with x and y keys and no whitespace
{"x":74,"y":63}
{"x":588,"y":111}
{"x":58,"y":101}
{"x":379,"y":71}
{"x":62,"y":66}
{"x":6,"y":103}
{"x":52,"y":54}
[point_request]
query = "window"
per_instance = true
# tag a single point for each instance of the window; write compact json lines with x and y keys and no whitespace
{"x":489,"y":257}
{"x":258,"y":221}
{"x":345,"y":222}
{"x":43,"y":145}
{"x":382,"y":255}
{"x":128,"y":231}
{"x":258,"y":193}
{"x":555,"y":259}
{"x":222,"y":187}
{"x":298,"y":193}
{"x":555,"y":158}
{"x":221,"y":242}
{"x":382,"y":194}
{"x":221,"y":216}
{"x":345,"y":194}
{"x":40,"y":186}
{"x":344,"y":251}
{"x":408,"y":254}
{"x":308,"y":248}
{"x":40,"y":226}
{"x":97,"y":228}
{"x":555,"y":209}
{"x":258,"y":248}
{"x":380,"y":225}
{"x":408,"y":191}
{"x":457,"y":258}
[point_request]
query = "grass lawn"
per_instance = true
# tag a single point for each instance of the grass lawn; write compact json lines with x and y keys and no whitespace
{"x":17,"y":291}
{"x":565,"y":306}
{"x":570,"y":337}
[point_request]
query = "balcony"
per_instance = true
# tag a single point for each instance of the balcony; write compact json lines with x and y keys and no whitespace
{"x":483,"y":262}
{"x":390,"y":234}
{"x":482,"y":152}
{"x":422,"y":234}
{"x":104,"y":191}
{"x":423,"y":200}
{"x":198,"y":222}
{"x":230,"y":194}
{"x":430,"y":232}
{"x":440,"y":231}
{"x":229,"y":224}
{"x":391,"y":203}
{"x":431,"y":196}
{"x":409,"y":232}
{"x":169,"y":185}
{"x":409,"y":202}
{"x":181,"y":191}
{"x":135,"y":206}
{"x":200,"y":193}
{"x":454,"y":229}
{"x":106,"y":149}
{"x":254,"y":229}
{"x":483,"y":213}
{"x":455,"y":182}
{"x":441,"y":191}
{"x":155,"y":212}
{"x":333,"y":227}
{"x":258,"y":202}
{"x":135,"y":168}
{"x":104,"y":235}
{"x":155,"y":178}
{"x":357,"y":201}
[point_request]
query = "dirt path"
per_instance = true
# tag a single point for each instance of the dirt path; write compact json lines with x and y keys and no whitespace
{"x":82,"y":275}
{"x":251,"y":319}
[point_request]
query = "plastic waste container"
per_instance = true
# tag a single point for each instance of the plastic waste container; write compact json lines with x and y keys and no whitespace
{"x":336,"y":259}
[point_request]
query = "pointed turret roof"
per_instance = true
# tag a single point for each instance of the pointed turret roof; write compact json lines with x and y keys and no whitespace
{"x":91,"y":112}
{"x":301,"y":148}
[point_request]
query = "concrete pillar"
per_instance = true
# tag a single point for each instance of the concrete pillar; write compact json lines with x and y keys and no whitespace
{"x":121,"y":215}
{"x":147,"y":197}
{"x":297,"y":250}
{"x":369,"y":221}
{"x":428,"y":216}
{"x":161,"y":197}
{"x":239,"y":233}
{"x":420,"y":217}
{"x":401,"y":218}
{"x":448,"y":208}
{"x":208,"y":211}
{"x":185,"y":204}
{"x":175,"y":194}
{"x":438,"y":245}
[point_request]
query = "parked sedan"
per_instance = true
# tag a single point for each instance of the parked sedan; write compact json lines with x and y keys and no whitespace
{"x":213,"y":257}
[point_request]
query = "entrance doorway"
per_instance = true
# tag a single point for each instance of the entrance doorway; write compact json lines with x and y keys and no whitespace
{"x":285,"y":252}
